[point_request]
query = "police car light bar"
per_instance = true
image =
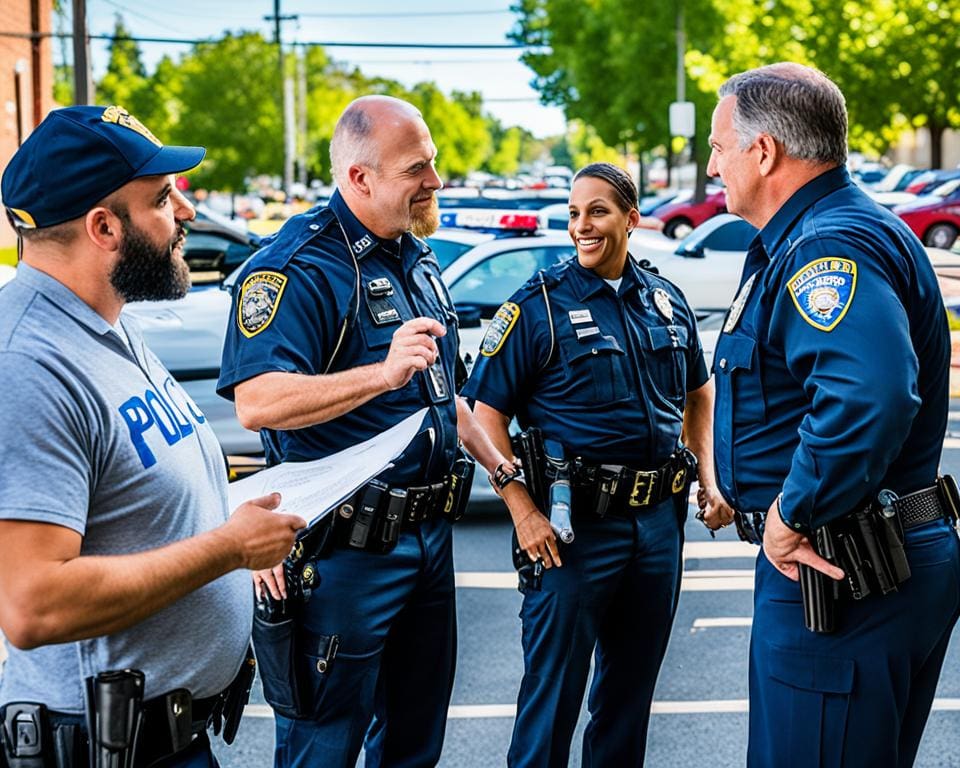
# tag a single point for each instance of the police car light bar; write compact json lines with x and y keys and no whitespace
{"x":489,"y":220}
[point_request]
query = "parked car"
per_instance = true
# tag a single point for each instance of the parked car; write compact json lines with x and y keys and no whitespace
{"x":216,"y":245}
{"x":481,"y":269}
{"x":680,"y":217}
{"x":897,"y":178}
{"x":935,"y":218}
{"x":926,"y":182}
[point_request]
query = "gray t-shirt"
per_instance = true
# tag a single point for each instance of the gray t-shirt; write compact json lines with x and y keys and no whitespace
{"x":99,"y":438}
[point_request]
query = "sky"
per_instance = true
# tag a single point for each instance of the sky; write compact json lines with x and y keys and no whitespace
{"x":497,"y":74}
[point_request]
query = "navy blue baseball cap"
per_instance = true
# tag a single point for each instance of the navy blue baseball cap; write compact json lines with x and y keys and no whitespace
{"x":79,"y":155}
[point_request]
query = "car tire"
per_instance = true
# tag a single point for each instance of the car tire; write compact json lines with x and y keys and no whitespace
{"x":940,"y":236}
{"x":678,"y":228}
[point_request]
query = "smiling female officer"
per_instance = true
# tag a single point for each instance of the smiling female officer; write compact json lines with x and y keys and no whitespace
{"x":603,"y":357}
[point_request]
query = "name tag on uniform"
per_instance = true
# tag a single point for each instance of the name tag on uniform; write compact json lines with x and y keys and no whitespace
{"x":580,"y":316}
{"x":583,"y":333}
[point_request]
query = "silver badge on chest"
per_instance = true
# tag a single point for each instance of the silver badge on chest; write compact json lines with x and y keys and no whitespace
{"x":736,"y":309}
{"x":661,"y":300}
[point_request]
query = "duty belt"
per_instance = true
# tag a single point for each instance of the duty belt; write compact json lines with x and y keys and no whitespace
{"x":621,"y":490}
{"x":917,"y":508}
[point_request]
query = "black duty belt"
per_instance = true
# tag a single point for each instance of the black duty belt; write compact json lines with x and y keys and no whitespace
{"x":628,"y":490}
{"x":919,"y":507}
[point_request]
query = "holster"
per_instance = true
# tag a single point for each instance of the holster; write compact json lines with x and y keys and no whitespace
{"x":868,"y":545}
{"x":26,"y":736}
{"x":278,"y":639}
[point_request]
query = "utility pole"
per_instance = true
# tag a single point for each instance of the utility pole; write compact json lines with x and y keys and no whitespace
{"x":286,"y":96}
{"x":302,"y":116}
{"x":82,"y":88}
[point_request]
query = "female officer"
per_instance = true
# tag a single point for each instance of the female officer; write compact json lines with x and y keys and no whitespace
{"x":603,"y":358}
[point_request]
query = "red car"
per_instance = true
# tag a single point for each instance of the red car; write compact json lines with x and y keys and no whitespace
{"x":934,"y":218}
{"x":680,"y":217}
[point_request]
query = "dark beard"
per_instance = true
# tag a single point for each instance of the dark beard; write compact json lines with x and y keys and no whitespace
{"x":146,"y":271}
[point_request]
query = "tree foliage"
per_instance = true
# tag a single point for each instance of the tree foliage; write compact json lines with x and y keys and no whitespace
{"x":229,"y":101}
{"x":610,"y":62}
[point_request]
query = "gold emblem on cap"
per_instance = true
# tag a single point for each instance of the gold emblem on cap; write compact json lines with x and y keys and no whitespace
{"x":120,"y":116}
{"x":662,"y":300}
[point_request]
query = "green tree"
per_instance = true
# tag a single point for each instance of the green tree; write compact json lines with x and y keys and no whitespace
{"x":458,"y":130}
{"x":126,"y":76}
{"x":227,"y":104}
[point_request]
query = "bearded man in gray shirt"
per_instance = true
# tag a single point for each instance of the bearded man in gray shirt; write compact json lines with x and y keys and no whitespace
{"x":117,"y":549}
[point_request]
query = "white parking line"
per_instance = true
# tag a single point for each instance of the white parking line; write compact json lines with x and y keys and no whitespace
{"x":952,"y":442}
{"x":722,"y":621}
{"x":707,"y":550}
{"x":693,"y":581}
{"x":703,"y":707}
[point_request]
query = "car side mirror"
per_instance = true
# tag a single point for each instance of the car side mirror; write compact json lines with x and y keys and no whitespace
{"x":696,"y":251}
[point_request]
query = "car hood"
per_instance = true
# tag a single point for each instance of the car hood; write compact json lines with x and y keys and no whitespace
{"x":186,"y":334}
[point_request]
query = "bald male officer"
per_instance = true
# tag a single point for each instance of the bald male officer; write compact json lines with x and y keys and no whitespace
{"x":342,"y":328}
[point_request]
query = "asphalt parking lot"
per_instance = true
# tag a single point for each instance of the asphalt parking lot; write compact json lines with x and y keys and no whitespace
{"x":700,"y":709}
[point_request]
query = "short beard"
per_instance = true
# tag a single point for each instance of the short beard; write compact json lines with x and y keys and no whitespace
{"x":424,"y":223}
{"x":146,"y":271}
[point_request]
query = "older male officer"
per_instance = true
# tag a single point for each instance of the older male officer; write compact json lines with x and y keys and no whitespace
{"x":115,"y":548}
{"x":831,"y":391}
{"x":341,"y":329}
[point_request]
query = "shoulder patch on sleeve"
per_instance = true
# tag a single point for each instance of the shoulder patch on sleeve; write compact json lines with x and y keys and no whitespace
{"x":822,"y":291}
{"x":499,"y":328}
{"x":259,"y":298}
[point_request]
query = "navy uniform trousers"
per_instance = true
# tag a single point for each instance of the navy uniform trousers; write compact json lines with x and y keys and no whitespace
{"x":617,"y":590}
{"x":859,"y":696}
{"x":396,"y":617}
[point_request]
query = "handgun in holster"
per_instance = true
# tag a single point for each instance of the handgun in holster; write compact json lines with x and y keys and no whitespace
{"x":299,"y":573}
{"x":26,"y":736}
{"x":114,"y":717}
{"x":528,"y":447}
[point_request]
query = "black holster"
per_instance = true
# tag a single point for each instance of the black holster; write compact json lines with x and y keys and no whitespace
{"x":868,"y":545}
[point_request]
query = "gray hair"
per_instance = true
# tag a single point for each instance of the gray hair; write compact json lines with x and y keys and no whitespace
{"x":352,"y":143}
{"x":798,"y":106}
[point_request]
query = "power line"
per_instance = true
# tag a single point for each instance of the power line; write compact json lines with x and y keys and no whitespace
{"x":322,"y":43}
{"x":407,"y":15}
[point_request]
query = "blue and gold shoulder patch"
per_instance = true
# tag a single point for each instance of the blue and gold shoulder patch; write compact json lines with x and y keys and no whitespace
{"x":822,"y":291}
{"x":259,"y":298}
{"x":499,"y":327}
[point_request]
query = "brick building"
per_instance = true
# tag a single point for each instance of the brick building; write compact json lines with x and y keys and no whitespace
{"x":26,"y":79}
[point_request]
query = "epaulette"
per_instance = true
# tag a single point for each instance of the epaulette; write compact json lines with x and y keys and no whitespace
{"x":280,"y":248}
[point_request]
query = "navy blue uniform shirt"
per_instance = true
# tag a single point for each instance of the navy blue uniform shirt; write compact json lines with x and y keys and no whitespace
{"x":610,"y":382}
{"x":288,"y":315}
{"x":832,"y":370}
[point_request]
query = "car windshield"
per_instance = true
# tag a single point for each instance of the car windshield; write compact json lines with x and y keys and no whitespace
{"x":493,"y":280}
{"x":447,"y":251}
